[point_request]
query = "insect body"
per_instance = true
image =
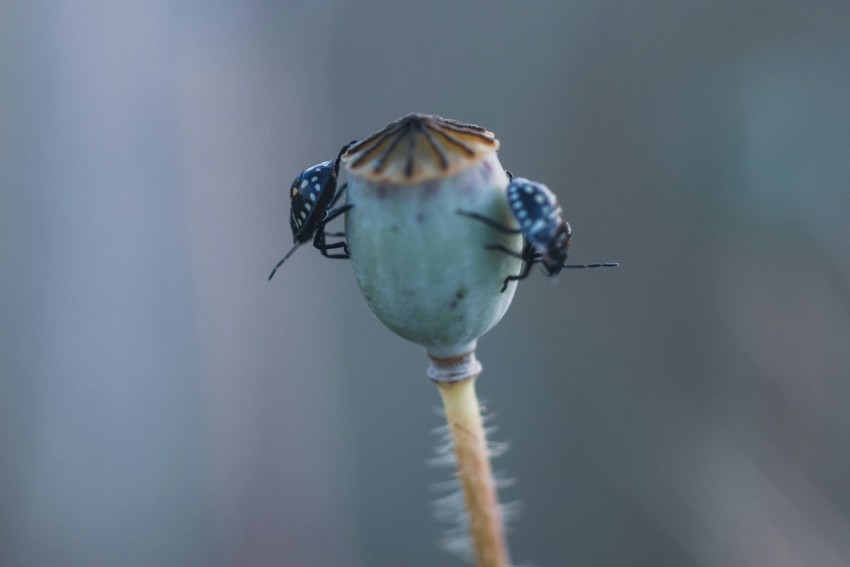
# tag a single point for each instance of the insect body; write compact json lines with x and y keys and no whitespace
{"x":312,"y":198}
{"x":546,"y":235}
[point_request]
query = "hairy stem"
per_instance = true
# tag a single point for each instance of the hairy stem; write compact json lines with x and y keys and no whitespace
{"x":463,"y":414}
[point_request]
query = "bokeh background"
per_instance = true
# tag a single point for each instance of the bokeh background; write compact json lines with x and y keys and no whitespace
{"x":162,"y":404}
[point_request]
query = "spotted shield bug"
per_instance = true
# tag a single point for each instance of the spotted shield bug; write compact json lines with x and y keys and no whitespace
{"x":312,"y":198}
{"x":546,"y":235}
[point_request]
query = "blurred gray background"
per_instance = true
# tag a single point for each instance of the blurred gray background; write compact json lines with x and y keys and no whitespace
{"x":162,"y":404}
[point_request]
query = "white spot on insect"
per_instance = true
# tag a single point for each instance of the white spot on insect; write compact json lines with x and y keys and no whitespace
{"x":315,"y":178}
{"x":526,"y":223}
{"x":308,"y":206}
{"x":516,"y":205}
{"x":522,"y":214}
{"x":318,"y":187}
{"x":539,"y":198}
{"x":303,"y":183}
{"x":313,"y":197}
{"x":303,"y":215}
{"x":528,"y":189}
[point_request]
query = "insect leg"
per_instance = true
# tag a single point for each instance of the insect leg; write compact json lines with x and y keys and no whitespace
{"x":333,"y":213}
{"x":323,"y":247}
{"x":342,"y":151}
{"x":528,"y":257}
{"x":526,"y":270}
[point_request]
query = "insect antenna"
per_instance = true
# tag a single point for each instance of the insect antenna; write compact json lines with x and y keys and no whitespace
{"x":288,"y":254}
{"x":602,"y":265}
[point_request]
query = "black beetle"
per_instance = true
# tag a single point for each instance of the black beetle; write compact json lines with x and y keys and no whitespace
{"x":312,"y":198}
{"x":546,"y":235}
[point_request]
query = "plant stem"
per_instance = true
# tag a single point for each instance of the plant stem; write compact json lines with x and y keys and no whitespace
{"x":463,"y":414}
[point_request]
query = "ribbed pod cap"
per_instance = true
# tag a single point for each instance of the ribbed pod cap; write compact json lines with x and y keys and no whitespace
{"x":417,"y":148}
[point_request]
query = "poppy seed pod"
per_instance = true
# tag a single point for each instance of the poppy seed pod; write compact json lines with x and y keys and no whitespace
{"x":425,"y":270}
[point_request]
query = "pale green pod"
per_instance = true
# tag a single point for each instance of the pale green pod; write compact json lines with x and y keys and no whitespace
{"x":423,"y":269}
